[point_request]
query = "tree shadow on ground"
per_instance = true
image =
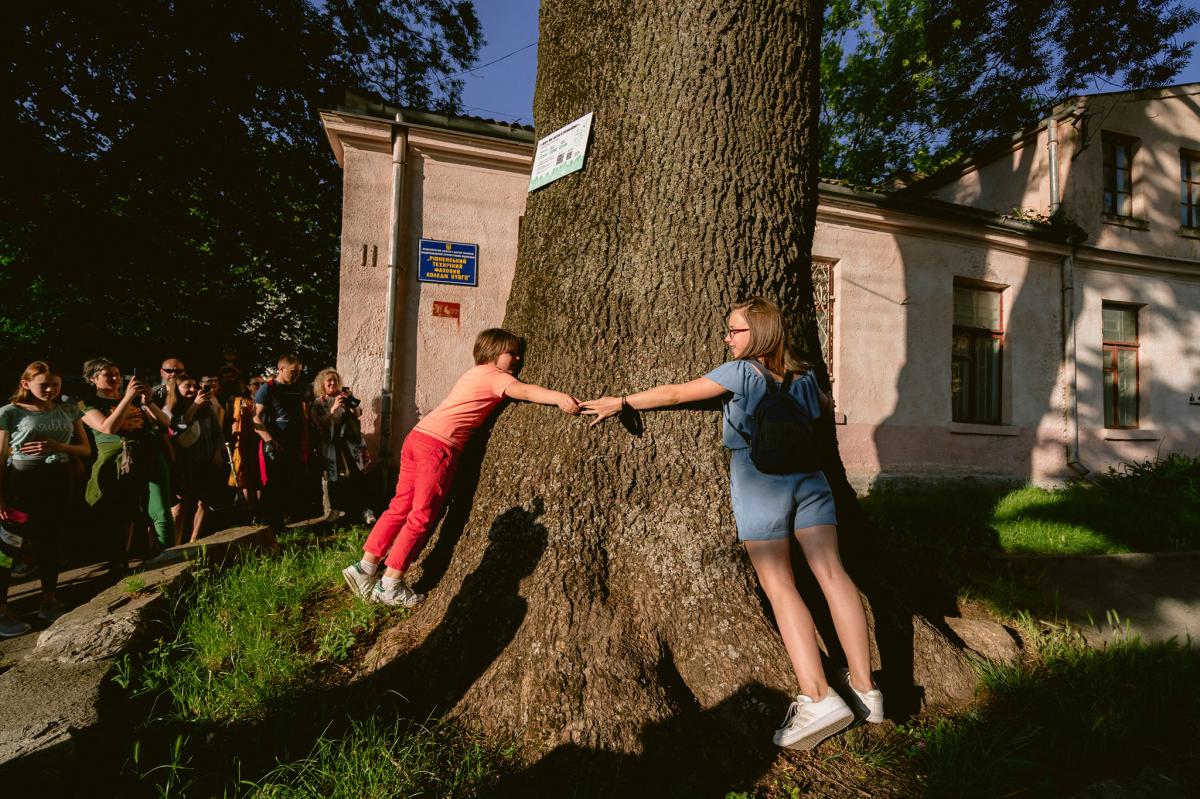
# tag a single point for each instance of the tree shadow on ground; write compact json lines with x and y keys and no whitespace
{"x":694,"y":753}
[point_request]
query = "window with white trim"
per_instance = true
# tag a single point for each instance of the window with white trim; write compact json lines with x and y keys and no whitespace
{"x":1118,"y":174}
{"x":1121,"y":390}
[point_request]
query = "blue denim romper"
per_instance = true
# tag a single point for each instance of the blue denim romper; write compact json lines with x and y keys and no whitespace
{"x":768,"y":506}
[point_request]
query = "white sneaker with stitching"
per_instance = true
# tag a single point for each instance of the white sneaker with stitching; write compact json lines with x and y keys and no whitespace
{"x":808,"y":723}
{"x":359,"y":581}
{"x":400,"y":596}
{"x":869,"y":704}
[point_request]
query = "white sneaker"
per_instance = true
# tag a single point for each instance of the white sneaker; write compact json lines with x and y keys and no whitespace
{"x":869,"y":704}
{"x":401,"y":596}
{"x":807,"y":723}
{"x":359,"y":581}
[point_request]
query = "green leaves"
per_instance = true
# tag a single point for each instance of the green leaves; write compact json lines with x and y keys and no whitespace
{"x":911,"y":85}
{"x":170,"y":173}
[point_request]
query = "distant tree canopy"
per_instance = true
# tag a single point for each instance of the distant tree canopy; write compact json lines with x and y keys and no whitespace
{"x":167,"y":186}
{"x":911,"y":85}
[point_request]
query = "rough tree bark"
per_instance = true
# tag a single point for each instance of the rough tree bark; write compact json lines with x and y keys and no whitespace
{"x":597,"y":589}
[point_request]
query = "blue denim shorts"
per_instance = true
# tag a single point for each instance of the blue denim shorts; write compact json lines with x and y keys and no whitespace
{"x":773,"y":506}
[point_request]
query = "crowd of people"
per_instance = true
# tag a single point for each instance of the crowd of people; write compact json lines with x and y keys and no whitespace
{"x":122,"y":468}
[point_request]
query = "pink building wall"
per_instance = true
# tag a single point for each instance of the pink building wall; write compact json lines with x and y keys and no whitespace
{"x":894,"y":276}
{"x":456,"y":186}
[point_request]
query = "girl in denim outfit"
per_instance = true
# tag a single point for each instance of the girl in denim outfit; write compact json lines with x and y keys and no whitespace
{"x":770,"y":509}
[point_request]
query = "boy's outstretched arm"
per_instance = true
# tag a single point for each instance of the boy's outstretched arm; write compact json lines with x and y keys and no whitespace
{"x":542,"y":396}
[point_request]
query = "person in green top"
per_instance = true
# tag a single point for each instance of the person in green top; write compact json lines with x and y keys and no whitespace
{"x":126,"y":426}
{"x":36,"y":432}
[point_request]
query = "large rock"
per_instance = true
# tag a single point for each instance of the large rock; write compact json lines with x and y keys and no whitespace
{"x":53,"y":729}
{"x":218,"y":547}
{"x":113,"y":623}
{"x":940,"y":669}
{"x":986,"y":638}
{"x":48,"y":709}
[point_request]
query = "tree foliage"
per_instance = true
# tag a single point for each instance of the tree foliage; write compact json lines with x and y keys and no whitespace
{"x":168,"y":185}
{"x":910,"y":85}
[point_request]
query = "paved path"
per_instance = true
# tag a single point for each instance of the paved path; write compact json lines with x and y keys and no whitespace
{"x":1156,"y":596}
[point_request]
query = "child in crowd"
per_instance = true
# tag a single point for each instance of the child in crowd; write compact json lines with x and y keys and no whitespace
{"x":35,"y":488}
{"x":772,"y":508}
{"x":428,"y":461}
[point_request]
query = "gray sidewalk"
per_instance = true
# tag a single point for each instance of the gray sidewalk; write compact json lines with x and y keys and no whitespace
{"x":1156,"y":596}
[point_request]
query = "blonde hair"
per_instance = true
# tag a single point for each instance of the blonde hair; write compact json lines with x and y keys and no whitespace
{"x":768,"y":336}
{"x":494,"y":342}
{"x":22,"y":394}
{"x":319,"y":381}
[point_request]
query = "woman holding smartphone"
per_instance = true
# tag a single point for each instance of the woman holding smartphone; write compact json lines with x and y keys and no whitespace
{"x":125,"y":425}
{"x":200,"y":451}
{"x":37,"y":432}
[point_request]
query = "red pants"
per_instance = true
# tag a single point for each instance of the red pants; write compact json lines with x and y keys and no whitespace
{"x":426,"y":471}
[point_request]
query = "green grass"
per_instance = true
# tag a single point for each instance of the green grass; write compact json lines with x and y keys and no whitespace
{"x":1118,"y":515}
{"x":259,"y":631}
{"x":1068,"y":717}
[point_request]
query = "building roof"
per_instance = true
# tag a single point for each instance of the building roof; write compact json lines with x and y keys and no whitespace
{"x":994,"y":148}
{"x":361,"y":104}
{"x":838,"y":191}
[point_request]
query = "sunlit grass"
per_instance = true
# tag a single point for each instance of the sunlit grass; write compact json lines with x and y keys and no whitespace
{"x":1150,"y":507}
{"x":255,"y":633}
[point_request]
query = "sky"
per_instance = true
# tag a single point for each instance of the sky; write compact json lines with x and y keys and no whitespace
{"x":504,"y":90}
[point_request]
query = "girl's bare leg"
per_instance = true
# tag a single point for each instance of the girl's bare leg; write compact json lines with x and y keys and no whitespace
{"x":845,"y":606}
{"x":198,"y":517}
{"x":177,"y":518}
{"x":772,"y":563}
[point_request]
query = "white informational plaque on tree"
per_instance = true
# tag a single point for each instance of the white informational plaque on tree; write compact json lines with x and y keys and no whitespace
{"x":560,"y":153}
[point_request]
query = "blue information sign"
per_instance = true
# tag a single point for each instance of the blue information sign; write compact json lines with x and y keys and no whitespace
{"x":448,"y":262}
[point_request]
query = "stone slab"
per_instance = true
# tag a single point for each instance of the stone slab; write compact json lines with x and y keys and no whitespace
{"x":113,"y":623}
{"x":47,"y":707}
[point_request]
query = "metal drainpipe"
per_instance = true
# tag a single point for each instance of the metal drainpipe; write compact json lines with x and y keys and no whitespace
{"x":1052,"y":146}
{"x":1067,"y":276}
{"x":385,"y":417}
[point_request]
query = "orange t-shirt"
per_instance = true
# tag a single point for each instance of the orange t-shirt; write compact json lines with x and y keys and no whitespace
{"x":466,"y":407}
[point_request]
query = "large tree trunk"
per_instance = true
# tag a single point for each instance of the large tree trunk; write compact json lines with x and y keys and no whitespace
{"x":597,"y":593}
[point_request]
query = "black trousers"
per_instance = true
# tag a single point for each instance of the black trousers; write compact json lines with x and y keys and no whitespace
{"x":43,"y":492}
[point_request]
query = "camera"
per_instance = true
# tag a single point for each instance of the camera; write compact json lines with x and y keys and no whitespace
{"x":350,"y":400}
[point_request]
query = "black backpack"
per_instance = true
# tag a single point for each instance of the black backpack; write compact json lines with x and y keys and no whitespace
{"x":783,"y":441}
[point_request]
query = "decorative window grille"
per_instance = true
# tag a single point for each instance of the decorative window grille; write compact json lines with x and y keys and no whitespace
{"x":822,"y":280}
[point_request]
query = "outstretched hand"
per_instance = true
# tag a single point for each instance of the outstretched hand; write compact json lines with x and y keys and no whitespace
{"x":568,"y":404}
{"x":601,"y":408}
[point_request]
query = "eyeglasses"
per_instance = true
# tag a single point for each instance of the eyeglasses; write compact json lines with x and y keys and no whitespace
{"x":733,"y":331}
{"x":171,"y":371}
